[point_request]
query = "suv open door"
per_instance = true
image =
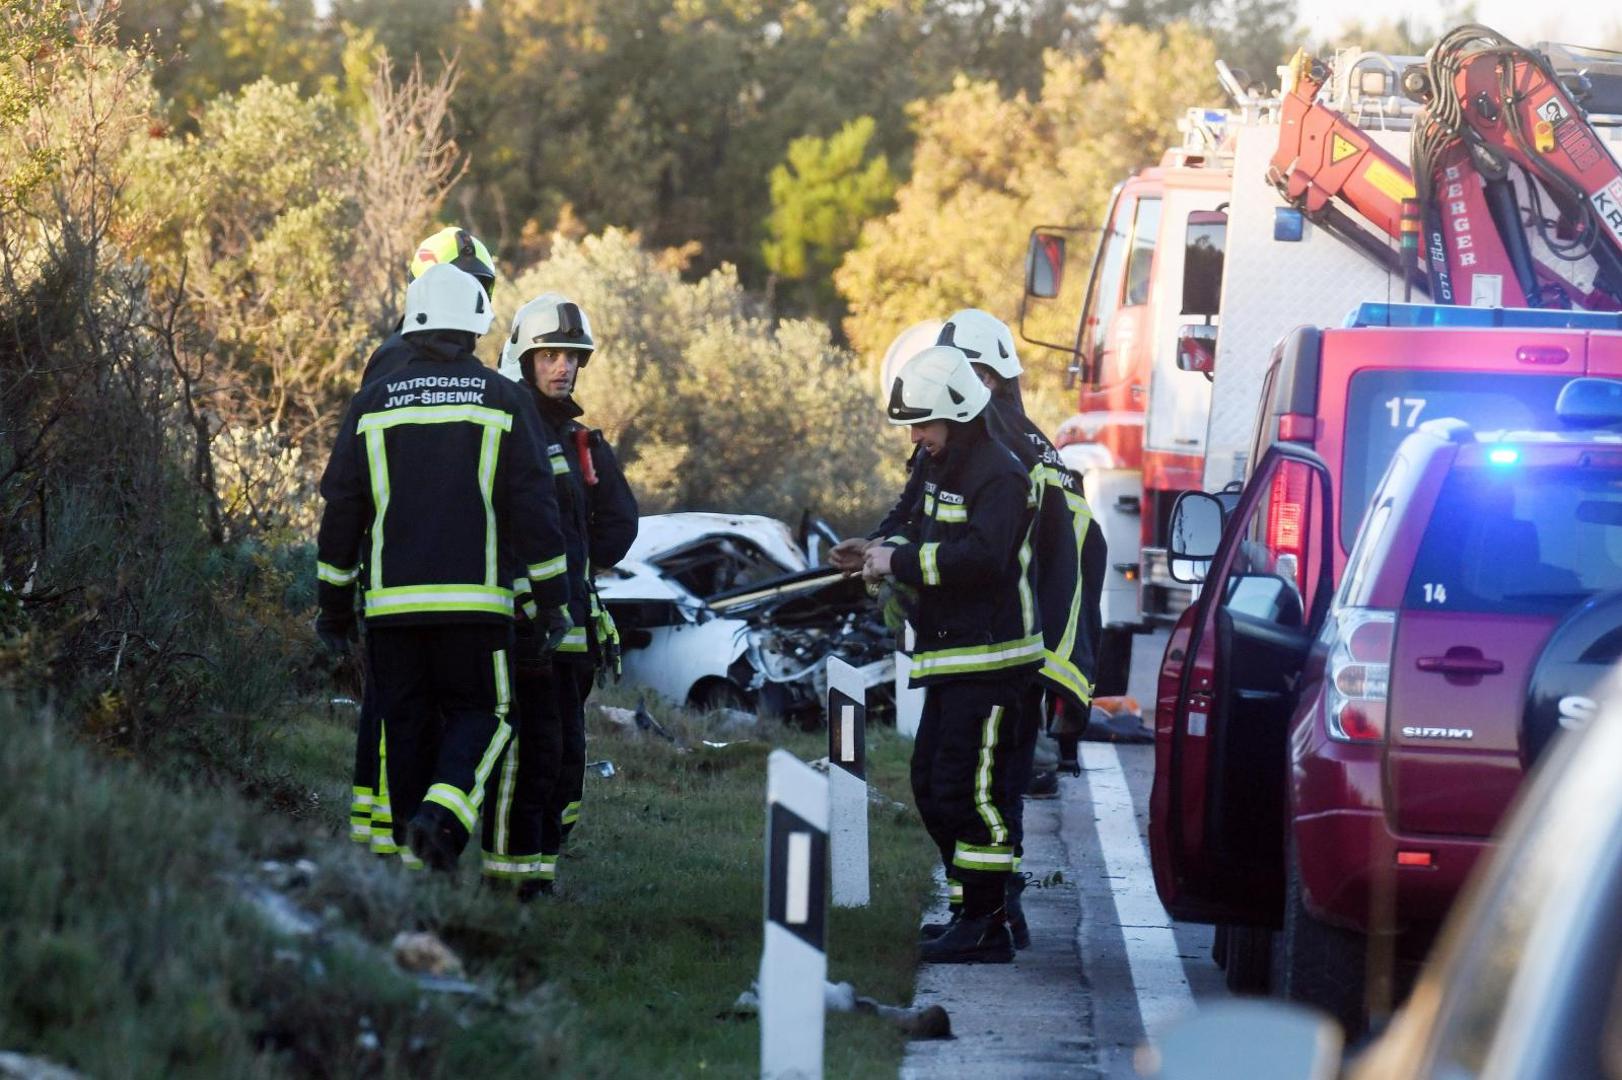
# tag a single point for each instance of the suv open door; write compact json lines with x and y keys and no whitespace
{"x":1228,"y":687}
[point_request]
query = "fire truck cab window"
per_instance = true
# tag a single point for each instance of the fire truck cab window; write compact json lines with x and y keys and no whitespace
{"x":1103,"y":299}
{"x":1144,"y":232}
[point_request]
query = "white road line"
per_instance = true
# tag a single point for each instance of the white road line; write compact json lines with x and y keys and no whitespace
{"x":1158,"y":978}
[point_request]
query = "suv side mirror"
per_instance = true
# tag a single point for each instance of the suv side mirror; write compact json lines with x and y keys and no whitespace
{"x":1196,"y":530}
{"x":1044,"y":265}
{"x":1196,"y":348}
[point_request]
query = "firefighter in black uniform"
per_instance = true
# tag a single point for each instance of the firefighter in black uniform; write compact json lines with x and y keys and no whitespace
{"x":371,"y":821}
{"x":432,"y":470}
{"x":538,"y":793}
{"x":967,"y":553}
{"x":1067,"y":569}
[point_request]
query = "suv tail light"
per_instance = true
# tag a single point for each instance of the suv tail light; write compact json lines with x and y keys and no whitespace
{"x":1360,"y":674}
{"x":1287,"y":518}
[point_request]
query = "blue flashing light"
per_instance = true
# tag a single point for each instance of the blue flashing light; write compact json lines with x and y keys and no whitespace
{"x":1432,"y":315}
{"x":1503,"y":455}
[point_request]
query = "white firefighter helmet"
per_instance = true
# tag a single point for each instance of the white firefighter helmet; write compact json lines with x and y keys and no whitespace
{"x":984,"y":339}
{"x":445,"y":298}
{"x":909,"y":343}
{"x":550,"y":321}
{"x":937,"y":384}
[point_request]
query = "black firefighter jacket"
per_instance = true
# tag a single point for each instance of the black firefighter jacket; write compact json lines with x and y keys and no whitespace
{"x":598,"y":513}
{"x":1068,"y":579}
{"x":433,"y":469}
{"x":1069,"y":556}
{"x":389,"y":357}
{"x":964,"y":545}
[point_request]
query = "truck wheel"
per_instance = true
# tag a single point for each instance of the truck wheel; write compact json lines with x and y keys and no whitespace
{"x":1114,"y":662}
{"x":1319,"y":964}
{"x":1249,"y":959}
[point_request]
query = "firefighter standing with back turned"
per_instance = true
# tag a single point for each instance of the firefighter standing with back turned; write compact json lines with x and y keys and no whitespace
{"x":371,"y":821}
{"x":1067,"y":571}
{"x":432,"y":469}
{"x":966,"y":553}
{"x":540,"y":783}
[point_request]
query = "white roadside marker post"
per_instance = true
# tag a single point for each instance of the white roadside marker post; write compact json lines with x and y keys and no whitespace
{"x":794,"y":961}
{"x":909,"y":703}
{"x":847,"y":783}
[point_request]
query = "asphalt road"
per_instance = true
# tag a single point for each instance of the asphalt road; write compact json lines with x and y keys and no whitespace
{"x":1107,"y":967}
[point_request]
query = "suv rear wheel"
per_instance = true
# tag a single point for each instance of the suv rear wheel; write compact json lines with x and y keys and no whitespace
{"x":1248,"y":959}
{"x":1319,"y":964}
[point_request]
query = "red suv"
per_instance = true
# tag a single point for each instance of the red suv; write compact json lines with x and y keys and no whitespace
{"x":1395,"y":708}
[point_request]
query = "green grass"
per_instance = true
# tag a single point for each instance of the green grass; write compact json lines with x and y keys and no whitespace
{"x":129,"y":954}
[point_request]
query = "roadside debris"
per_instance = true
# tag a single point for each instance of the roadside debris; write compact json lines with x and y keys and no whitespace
{"x":929,"y":1022}
{"x":604,"y":768}
{"x":646,"y":722}
{"x":283,"y":876}
{"x":1118,"y":720}
{"x":623,"y":718}
{"x":280,"y":913}
{"x":422,"y":953}
{"x":639,"y":719}
{"x":21,"y":1067}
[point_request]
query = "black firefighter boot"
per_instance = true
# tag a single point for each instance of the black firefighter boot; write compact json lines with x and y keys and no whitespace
{"x":931,"y":931}
{"x":1017,"y":927}
{"x":976,"y":939}
{"x":435,"y":836}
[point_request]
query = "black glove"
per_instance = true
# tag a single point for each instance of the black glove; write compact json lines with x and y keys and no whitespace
{"x":336,"y":631}
{"x":552,"y":625}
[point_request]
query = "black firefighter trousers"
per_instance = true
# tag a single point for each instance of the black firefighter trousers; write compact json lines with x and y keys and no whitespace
{"x":535,"y":795}
{"x":963,"y":783}
{"x":443,"y":693}
{"x":1027,"y":727}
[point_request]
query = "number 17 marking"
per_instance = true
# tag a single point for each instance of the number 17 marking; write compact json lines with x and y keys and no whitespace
{"x":1414,"y":405}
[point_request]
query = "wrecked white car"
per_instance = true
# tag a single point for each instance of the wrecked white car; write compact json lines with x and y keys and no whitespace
{"x":729,"y":610}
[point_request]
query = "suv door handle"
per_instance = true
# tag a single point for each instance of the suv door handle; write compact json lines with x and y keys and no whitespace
{"x":1461,"y":665}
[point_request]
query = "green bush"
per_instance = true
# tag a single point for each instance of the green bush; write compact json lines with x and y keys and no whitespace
{"x":130,"y":950}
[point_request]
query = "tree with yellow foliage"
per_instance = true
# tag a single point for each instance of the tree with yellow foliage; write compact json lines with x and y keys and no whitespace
{"x":989,"y":166}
